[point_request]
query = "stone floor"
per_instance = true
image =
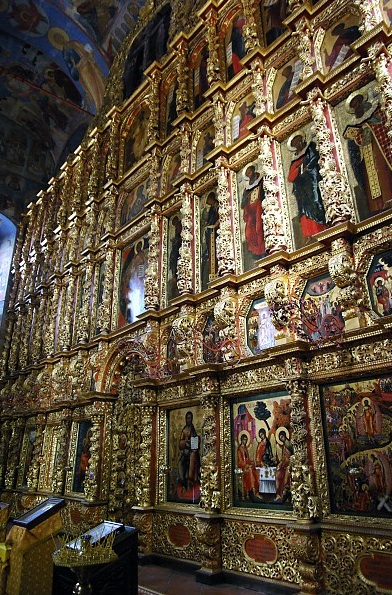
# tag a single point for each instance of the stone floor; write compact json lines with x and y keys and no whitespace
{"x":181,"y":581}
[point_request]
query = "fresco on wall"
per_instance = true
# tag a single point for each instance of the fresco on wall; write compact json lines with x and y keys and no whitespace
{"x":137,"y":138}
{"x":273,"y":13}
{"x":261,"y":450}
{"x":321,"y":312}
{"x":251,"y":195}
{"x":259,"y":328}
{"x":358,"y":430}
{"x":209,"y":225}
{"x":362,"y":125}
{"x":184,"y":452}
{"x":235,"y":46}
{"x":379,"y":281}
{"x":133,"y":268}
{"x":200,"y":79}
{"x":336,"y":44}
{"x":134,"y":202}
{"x":286,"y":79}
{"x":302,"y":172}
{"x":243,"y":115}
{"x":174,"y":245}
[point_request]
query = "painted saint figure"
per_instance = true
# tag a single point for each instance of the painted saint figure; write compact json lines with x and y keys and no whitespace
{"x":189,"y":464}
{"x":283,"y":467}
{"x":304,"y":174}
{"x":251,"y":205}
{"x":250,"y":477}
{"x":264,"y":455}
{"x":370,"y":151}
{"x":210,"y":223}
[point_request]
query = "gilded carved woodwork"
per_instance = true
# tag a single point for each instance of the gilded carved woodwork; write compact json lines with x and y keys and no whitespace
{"x":333,"y":186}
{"x":224,"y":243}
{"x":210,"y":497}
{"x":71,"y":362}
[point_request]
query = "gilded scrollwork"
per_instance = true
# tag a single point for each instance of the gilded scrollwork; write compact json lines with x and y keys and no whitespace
{"x":274,"y":236}
{"x":209,"y":536}
{"x":224,"y":242}
{"x":210,"y":497}
{"x":185,"y":264}
{"x":334,"y":186}
{"x":183,"y":336}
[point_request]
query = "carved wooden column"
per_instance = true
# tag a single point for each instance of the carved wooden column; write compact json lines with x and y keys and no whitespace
{"x":17,"y":329}
{"x":334,"y":186}
{"x":79,"y":197}
{"x":304,"y":35}
{"x":218,"y":104}
{"x":382,"y":66}
{"x":306,"y":544}
{"x":224,"y":241}
{"x":50,"y":328}
{"x":25,"y":341}
{"x":342,"y":270}
{"x":14,"y":449}
{"x":104,"y":313}
{"x":91,"y":487}
{"x":274,"y":235}
{"x":226,"y":318}
{"x":208,"y":523}
{"x":84,"y":315}
{"x":183,"y":336}
{"x":151,"y":280}
{"x":64,"y":333}
{"x":62,"y":433}
{"x":33,"y":471}
{"x":5,"y":434}
{"x":371,"y":14}
{"x":153,"y":103}
{"x":65,"y":190}
{"x":276,"y":293}
{"x":40,"y":305}
{"x":143,"y":473}
{"x":258,"y":85}
{"x":111,"y":200}
{"x":182,"y":97}
{"x":114,"y":141}
{"x":249,"y":30}
{"x":94,"y":158}
{"x":213,"y":70}
{"x":143,"y":513}
{"x":185,"y":265}
{"x":185,"y":149}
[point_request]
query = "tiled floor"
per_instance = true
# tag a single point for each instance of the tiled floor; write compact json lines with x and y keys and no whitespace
{"x":177,"y":581}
